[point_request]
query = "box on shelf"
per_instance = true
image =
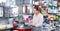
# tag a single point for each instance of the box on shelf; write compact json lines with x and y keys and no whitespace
{"x":58,"y":3}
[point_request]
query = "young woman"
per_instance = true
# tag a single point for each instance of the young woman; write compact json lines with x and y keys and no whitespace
{"x":37,"y":21}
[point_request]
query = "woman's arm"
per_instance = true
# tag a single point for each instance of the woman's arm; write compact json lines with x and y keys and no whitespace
{"x":31,"y":23}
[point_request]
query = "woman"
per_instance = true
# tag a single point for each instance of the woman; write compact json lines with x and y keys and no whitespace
{"x":37,"y":19}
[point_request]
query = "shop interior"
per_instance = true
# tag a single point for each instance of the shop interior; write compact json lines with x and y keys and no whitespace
{"x":14,"y":12}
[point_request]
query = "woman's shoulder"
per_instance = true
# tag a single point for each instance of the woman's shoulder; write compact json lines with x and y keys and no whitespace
{"x":40,"y":14}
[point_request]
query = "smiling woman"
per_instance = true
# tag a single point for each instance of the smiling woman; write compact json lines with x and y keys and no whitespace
{"x":37,"y":21}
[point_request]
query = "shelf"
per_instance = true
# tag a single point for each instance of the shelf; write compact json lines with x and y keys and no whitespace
{"x":6,"y":27}
{"x":52,"y":13}
{"x":7,"y":17}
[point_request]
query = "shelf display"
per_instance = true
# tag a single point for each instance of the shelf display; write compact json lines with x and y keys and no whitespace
{"x":58,"y":18}
{"x":52,"y":9}
{"x":55,"y":3}
{"x":58,"y":3}
{"x":46,"y":9}
{"x":59,"y":8}
{"x":1,"y":11}
{"x":7,"y":11}
{"x":26,"y":1}
{"x":11,"y":12}
{"x":10,"y":3}
{"x":27,"y":9}
{"x":51,"y":17}
{"x":3,"y":22}
{"x":15,"y":12}
{"x":50,"y":4}
{"x":2,"y":27}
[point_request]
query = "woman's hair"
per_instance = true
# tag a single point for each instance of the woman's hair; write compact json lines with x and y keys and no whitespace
{"x":38,"y":8}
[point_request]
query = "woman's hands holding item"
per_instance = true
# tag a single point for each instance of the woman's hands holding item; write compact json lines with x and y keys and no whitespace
{"x":31,"y":24}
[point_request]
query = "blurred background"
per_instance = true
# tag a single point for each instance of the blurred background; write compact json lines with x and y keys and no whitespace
{"x":12,"y":13}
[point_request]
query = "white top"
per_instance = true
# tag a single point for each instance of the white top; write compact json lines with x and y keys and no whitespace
{"x":38,"y":20}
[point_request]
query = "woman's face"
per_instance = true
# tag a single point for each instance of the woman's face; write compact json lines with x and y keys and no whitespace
{"x":35,"y":11}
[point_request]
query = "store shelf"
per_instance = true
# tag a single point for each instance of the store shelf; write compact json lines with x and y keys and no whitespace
{"x":6,"y":27}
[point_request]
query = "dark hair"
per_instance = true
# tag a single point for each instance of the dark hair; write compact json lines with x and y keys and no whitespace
{"x":37,"y":8}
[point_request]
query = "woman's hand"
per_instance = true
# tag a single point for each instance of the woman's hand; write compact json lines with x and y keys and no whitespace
{"x":23,"y":20}
{"x":31,"y":24}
